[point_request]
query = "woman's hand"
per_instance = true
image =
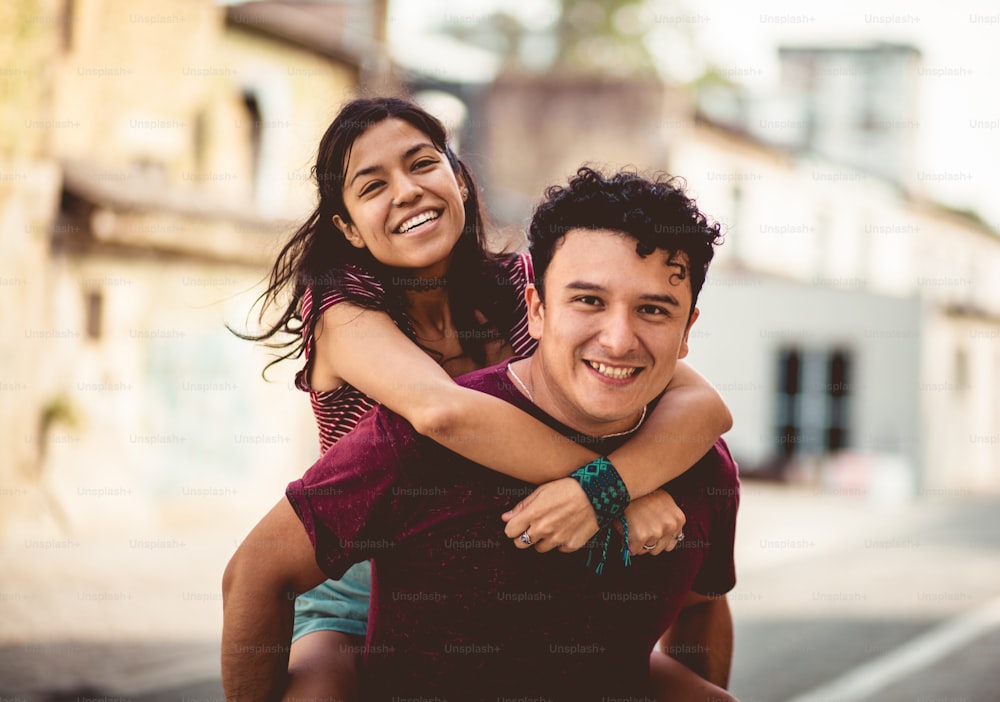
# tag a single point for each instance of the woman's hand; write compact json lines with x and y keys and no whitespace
{"x":557,"y":514}
{"x":654,"y":521}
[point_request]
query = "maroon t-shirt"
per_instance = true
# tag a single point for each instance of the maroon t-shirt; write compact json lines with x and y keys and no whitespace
{"x":457,"y":611}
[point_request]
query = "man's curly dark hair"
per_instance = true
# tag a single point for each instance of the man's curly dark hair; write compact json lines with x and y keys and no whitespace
{"x":655,"y":212}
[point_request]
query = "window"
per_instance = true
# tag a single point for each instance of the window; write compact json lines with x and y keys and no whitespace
{"x":788,"y":431}
{"x":253,"y":124}
{"x":69,"y":10}
{"x":813,"y":401}
{"x":94,"y":311}
{"x":199,"y":139}
{"x":961,"y":375}
{"x":838,"y":401}
{"x":736,"y":200}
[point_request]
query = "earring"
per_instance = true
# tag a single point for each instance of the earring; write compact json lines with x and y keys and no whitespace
{"x":465,"y":193}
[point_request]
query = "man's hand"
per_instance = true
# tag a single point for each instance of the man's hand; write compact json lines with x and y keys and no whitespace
{"x":556,"y":515}
{"x":702,"y":637}
{"x":653,"y":520}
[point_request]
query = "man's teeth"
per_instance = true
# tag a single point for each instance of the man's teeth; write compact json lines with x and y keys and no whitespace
{"x":416,"y":221}
{"x":612,"y":371}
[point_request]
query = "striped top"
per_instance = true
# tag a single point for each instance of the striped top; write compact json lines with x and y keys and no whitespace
{"x":338,"y":411}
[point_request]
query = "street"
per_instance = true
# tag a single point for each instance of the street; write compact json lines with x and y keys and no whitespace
{"x":840,"y":597}
{"x":844,"y":599}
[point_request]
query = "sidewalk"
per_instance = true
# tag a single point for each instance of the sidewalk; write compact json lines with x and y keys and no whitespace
{"x":121,"y":616}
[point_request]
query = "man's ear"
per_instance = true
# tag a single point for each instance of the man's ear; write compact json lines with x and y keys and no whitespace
{"x":536,"y":311}
{"x":349,"y":231}
{"x":683,"y":350}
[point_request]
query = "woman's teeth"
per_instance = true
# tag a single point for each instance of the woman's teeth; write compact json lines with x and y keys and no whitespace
{"x":417,"y":221}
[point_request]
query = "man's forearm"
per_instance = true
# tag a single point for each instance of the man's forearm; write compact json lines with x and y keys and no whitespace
{"x":702,"y":639}
{"x":256,"y":637}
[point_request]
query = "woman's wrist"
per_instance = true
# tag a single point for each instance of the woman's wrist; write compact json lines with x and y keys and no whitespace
{"x":609,"y":497}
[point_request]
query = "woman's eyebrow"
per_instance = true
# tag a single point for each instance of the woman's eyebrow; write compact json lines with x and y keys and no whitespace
{"x":375,"y":169}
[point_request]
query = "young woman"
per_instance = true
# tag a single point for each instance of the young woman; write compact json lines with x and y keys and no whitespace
{"x":393,"y":293}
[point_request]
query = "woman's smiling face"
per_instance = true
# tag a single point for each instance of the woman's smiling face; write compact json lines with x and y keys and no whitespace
{"x":404,"y":199}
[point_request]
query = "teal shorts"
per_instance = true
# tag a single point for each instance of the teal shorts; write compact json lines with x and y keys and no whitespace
{"x":336,"y":605}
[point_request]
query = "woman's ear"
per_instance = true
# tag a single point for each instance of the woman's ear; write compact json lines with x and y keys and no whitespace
{"x":349,"y":231}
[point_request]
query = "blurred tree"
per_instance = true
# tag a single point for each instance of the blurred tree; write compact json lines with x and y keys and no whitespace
{"x":596,"y":37}
{"x":603,"y":37}
{"x":30,"y":34}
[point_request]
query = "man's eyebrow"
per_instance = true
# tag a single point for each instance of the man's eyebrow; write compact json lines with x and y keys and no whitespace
{"x":584,"y":286}
{"x":375,"y":169}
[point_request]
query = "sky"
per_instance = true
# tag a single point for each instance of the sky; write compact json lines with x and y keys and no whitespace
{"x":958,"y":138}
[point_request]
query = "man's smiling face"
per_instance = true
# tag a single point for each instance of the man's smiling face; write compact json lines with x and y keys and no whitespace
{"x":611,"y":329}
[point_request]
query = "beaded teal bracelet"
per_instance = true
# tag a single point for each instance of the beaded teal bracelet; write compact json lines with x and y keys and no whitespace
{"x":609,"y":497}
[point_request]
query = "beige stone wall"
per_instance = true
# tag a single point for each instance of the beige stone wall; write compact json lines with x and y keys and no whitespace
{"x":29,"y":182}
{"x":160,"y":424}
{"x":30,"y":33}
{"x":26,"y":206}
{"x":298,"y":92}
{"x":133,"y":78}
{"x":168,"y":407}
{"x":156,"y":91}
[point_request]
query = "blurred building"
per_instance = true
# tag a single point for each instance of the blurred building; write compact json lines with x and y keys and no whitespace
{"x":153,"y":157}
{"x":852,"y":323}
{"x":854,"y":329}
{"x":877,"y":343}
{"x":854,"y":105}
{"x":537,"y":130}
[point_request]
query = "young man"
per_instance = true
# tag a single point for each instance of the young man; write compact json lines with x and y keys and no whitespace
{"x":457,"y":611}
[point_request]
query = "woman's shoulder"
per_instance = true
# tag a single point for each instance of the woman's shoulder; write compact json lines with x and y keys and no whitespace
{"x":348,"y":283}
{"x":351,"y":277}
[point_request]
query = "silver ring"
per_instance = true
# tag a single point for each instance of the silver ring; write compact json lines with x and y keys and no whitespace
{"x":525,"y":539}
{"x":679,"y":537}
{"x":646,"y":547}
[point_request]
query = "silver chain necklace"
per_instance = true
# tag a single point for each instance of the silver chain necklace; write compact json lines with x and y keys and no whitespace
{"x":517,"y":379}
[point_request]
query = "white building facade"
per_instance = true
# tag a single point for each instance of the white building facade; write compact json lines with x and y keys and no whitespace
{"x":855,"y":332}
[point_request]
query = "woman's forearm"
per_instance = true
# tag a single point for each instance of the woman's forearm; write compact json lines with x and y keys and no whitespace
{"x":498,"y":435}
{"x":686,"y":423}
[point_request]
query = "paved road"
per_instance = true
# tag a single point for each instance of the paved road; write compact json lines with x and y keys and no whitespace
{"x":841,"y":598}
{"x":853,"y":601}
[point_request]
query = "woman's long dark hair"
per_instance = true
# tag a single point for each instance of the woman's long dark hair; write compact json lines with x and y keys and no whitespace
{"x":316,"y":255}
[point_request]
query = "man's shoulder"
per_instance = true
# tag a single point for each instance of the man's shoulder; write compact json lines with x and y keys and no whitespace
{"x":722,"y":457}
{"x":718,"y":468}
{"x":492,"y":380}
